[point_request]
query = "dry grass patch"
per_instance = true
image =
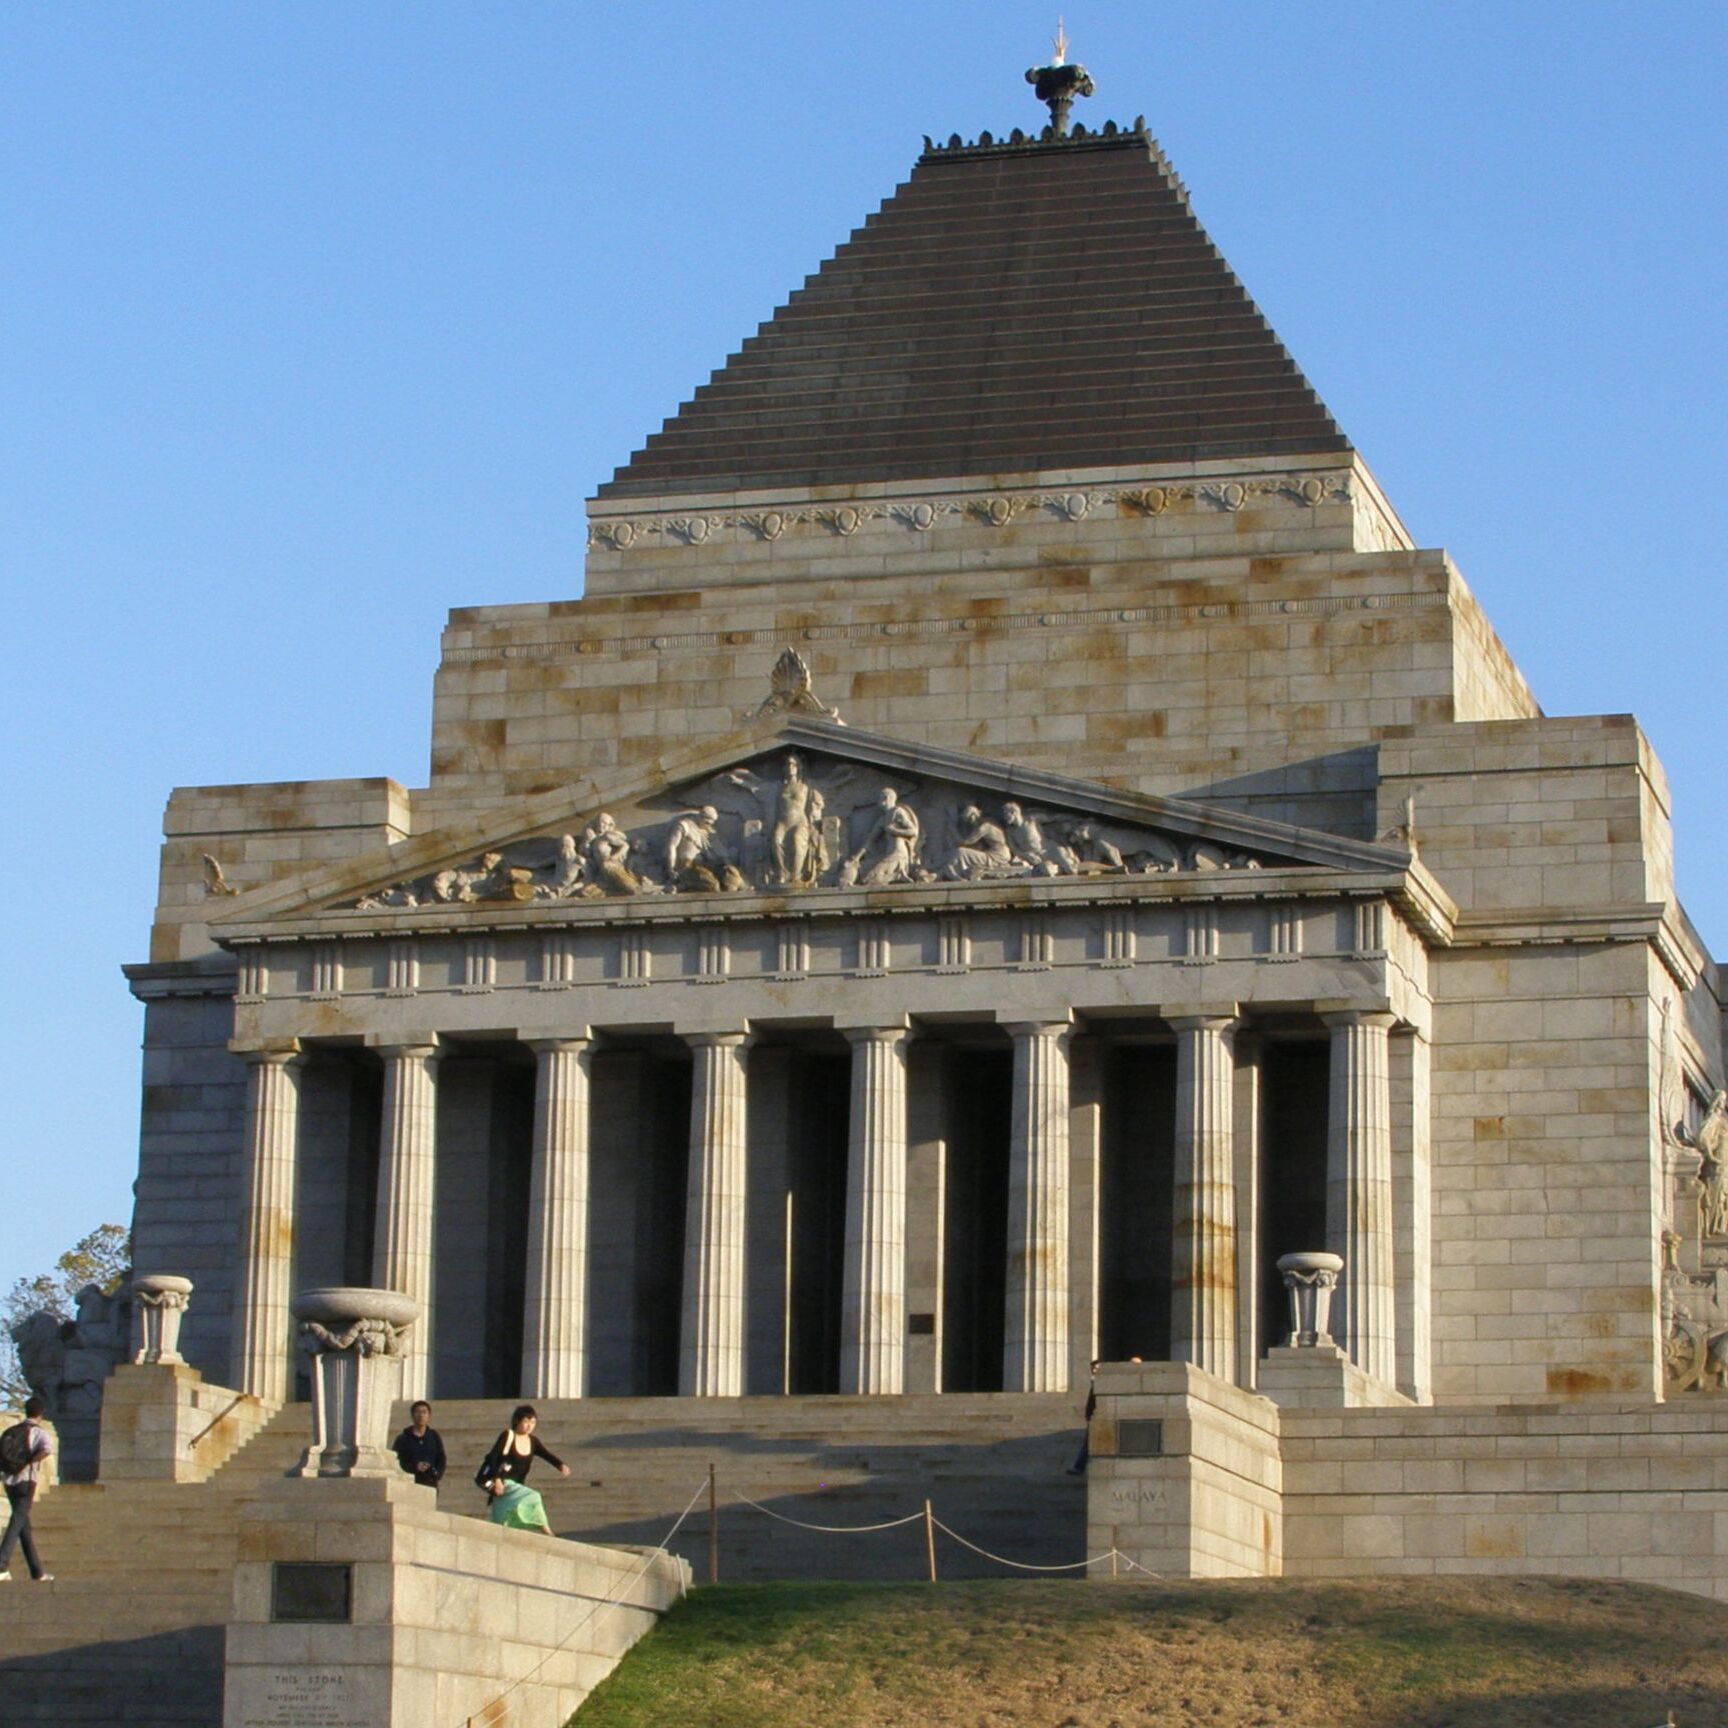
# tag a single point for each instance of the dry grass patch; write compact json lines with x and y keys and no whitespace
{"x":1380,"y":1653}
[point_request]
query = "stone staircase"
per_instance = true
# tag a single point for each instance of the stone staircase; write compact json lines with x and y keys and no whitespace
{"x":131,"y":1631}
{"x":993,"y":1466}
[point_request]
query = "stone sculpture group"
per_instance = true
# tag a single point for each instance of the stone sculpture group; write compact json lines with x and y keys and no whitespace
{"x":788,"y":834}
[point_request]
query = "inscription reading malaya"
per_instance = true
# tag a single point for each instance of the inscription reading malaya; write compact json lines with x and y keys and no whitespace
{"x":791,"y":823}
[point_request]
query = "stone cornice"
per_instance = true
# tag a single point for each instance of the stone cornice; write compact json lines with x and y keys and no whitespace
{"x":160,"y":980}
{"x":1657,"y":922}
{"x":555,"y":646}
{"x":1413,"y":892}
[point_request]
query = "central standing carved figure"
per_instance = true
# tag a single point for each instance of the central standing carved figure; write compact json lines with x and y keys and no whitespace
{"x":795,"y":810}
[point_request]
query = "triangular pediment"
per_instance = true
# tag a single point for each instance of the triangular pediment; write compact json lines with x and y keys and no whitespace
{"x":792,"y":804}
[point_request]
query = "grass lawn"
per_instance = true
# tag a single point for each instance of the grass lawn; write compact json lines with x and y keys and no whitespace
{"x":1380,"y":1653}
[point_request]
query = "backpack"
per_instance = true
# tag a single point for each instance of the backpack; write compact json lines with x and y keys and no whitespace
{"x":16,"y":1449}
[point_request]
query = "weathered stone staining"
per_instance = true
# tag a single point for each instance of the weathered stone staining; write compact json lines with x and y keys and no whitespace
{"x":1086,"y":994}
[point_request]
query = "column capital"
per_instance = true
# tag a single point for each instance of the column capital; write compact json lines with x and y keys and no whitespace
{"x":888,"y":1034}
{"x":425,"y":1044}
{"x":575,"y":1043}
{"x":273,"y":1050}
{"x":1051,"y":1027}
{"x":1208,"y":1021}
{"x":1380,"y":1017}
{"x":715,"y":1040}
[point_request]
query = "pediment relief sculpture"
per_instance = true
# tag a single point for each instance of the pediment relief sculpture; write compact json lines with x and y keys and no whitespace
{"x":789,"y":821}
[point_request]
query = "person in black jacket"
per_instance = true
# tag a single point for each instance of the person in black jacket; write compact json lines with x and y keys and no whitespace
{"x":1084,"y":1455}
{"x":504,"y":1474}
{"x":419,"y":1448}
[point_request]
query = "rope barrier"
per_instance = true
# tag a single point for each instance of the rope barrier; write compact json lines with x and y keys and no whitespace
{"x":1023,"y":1565}
{"x":828,"y":1529}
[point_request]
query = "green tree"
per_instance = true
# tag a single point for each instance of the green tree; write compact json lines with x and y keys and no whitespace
{"x":101,"y":1258}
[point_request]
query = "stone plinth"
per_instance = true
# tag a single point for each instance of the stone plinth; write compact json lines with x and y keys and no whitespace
{"x":1322,"y":1377}
{"x":356,"y":1340}
{"x":1185,"y":1476}
{"x":163,"y":1422}
{"x":434,"y":1617}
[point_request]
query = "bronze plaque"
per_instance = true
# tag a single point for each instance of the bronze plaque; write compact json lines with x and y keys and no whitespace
{"x":311,"y":1593}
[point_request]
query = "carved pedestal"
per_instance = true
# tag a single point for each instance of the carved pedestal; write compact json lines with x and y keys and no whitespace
{"x":158,"y":1302}
{"x":1310,"y":1279}
{"x":355,"y":1339}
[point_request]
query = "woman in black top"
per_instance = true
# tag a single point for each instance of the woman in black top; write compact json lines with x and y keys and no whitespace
{"x":504,"y":1475}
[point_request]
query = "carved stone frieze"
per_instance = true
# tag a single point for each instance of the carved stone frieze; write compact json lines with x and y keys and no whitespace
{"x":923,"y":515}
{"x":790,"y":821}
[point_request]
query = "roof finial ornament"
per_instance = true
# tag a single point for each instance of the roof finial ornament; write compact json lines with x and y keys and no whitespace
{"x":1059,"y":83}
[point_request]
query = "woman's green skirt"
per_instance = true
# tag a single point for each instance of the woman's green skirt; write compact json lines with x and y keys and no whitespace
{"x":520,"y":1507}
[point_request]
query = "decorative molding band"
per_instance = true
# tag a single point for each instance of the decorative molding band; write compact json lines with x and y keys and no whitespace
{"x":702,"y":641}
{"x":997,"y":510}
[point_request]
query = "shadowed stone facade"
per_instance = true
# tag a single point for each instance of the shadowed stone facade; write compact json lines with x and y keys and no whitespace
{"x":1013,"y":841}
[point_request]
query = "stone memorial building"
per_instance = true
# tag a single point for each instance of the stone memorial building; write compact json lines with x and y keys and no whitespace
{"x":1013,"y":840}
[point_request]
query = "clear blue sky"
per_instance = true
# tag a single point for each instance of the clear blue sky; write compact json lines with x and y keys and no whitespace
{"x":318,"y":320}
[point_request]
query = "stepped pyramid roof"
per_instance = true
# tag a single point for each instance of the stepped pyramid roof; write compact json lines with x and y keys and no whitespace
{"x":1024,"y":304}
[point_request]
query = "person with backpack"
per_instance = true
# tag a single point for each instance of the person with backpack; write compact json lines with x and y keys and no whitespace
{"x":25,"y":1449}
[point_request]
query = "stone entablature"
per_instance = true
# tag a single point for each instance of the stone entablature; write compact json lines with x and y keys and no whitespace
{"x":1291,"y":940}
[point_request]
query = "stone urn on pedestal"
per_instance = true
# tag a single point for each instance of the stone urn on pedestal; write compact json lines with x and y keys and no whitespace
{"x":158,"y":1302}
{"x":355,"y":1339}
{"x":1310,"y":1279}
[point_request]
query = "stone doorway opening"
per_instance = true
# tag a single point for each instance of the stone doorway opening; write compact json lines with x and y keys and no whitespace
{"x":639,"y":1149}
{"x":1137,"y":1176}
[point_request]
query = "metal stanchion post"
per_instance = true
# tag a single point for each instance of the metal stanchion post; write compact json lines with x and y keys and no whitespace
{"x":930,"y":1539}
{"x":713,"y":1529}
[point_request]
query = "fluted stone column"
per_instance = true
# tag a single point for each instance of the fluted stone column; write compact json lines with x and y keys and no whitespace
{"x":1359,"y":1188}
{"x":873,"y":1293}
{"x":711,"y":1339}
{"x":555,"y":1319}
{"x":1035,"y":1343}
{"x":402,"y":1243}
{"x":263,"y":1335}
{"x":1204,"y":1270}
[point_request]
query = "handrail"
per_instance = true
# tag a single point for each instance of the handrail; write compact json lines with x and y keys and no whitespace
{"x":216,"y":1420}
